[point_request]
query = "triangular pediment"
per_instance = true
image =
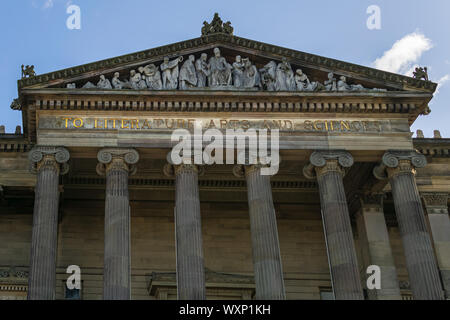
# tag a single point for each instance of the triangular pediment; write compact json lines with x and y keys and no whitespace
{"x":316,"y":68}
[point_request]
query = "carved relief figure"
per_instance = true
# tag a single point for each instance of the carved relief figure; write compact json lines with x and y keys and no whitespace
{"x":302,"y":82}
{"x":170,"y":73}
{"x":251,"y":75}
{"x":330,"y":84}
{"x":201,"y":66}
{"x":104,"y":83}
{"x":188,"y":75}
{"x":89,"y":85}
{"x":268,"y":76}
{"x":152,"y":77}
{"x":118,"y":84}
{"x":238,"y":72}
{"x":284,"y":77}
{"x":343,"y":86}
{"x":220,"y":70}
{"x":135,"y":78}
{"x":142,"y":84}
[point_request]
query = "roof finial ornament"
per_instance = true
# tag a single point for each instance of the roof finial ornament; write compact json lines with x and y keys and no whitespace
{"x":217,"y":26}
{"x":28,"y":71}
{"x":421,"y":73}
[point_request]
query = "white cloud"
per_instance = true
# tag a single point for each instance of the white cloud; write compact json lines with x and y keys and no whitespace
{"x":441,"y":82}
{"x":404,"y":54}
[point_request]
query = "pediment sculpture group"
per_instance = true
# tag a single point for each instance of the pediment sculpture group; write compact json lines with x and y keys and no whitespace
{"x":217,"y":73}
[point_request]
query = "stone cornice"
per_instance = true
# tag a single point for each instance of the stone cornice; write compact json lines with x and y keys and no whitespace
{"x":220,"y":39}
{"x":431,"y":147}
{"x":61,"y":99}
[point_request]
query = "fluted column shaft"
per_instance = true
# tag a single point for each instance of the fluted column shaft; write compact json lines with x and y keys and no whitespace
{"x":265,"y":243}
{"x":420,"y":260}
{"x":437,"y":211}
{"x":328,"y":168}
{"x":374,"y":239}
{"x":42,"y":274}
{"x":188,"y":230}
{"x":117,"y":261}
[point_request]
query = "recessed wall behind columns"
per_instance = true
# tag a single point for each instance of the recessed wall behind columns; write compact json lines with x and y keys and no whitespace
{"x":226,"y":241}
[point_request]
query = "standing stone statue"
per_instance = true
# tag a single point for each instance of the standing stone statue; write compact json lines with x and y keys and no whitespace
{"x":104,"y":83}
{"x":188,"y":75}
{"x":330,"y":84}
{"x":302,"y":82}
{"x":170,"y":73}
{"x":220,"y":70}
{"x":284,"y":77}
{"x":238,"y":72}
{"x":152,"y":77}
{"x":201,"y":66}
{"x":268,"y":76}
{"x":251,"y":75}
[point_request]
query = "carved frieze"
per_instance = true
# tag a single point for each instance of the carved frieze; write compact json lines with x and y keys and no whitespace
{"x":218,"y":74}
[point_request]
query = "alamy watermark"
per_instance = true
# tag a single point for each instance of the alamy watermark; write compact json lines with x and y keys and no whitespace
{"x":206,"y":147}
{"x":73,"y":22}
{"x":374,"y":278}
{"x":374,"y":20}
{"x":74,"y":280}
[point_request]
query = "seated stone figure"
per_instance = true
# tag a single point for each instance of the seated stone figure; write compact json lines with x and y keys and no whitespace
{"x":118,"y":84}
{"x":220,"y":70}
{"x":104,"y":83}
{"x":302,"y":82}
{"x":330,"y":84}
{"x":152,"y":77}
{"x":135,"y":78}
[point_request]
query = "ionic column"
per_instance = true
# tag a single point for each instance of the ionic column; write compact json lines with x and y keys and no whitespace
{"x":420,"y":261}
{"x":328,"y":168}
{"x":268,"y":269}
{"x":188,"y":232}
{"x":117,"y":164}
{"x":48,"y":163}
{"x":374,"y":240}
{"x":437,"y":211}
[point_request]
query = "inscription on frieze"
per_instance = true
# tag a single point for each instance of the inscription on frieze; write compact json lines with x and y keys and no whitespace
{"x":335,"y":125}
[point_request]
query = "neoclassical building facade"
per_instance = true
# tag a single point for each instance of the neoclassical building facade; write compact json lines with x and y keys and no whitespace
{"x":89,"y":182}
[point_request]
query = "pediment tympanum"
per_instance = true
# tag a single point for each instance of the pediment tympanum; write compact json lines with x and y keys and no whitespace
{"x":218,"y":60}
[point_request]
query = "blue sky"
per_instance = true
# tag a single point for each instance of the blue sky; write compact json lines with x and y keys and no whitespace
{"x":413,"y":32}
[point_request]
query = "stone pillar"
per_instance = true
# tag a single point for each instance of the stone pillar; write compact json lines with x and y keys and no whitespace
{"x":420,"y":261}
{"x":265,"y":243}
{"x":437,"y":211}
{"x":188,"y":232}
{"x":117,"y":164}
{"x":48,"y":163}
{"x":328,"y":168}
{"x":374,"y":239}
